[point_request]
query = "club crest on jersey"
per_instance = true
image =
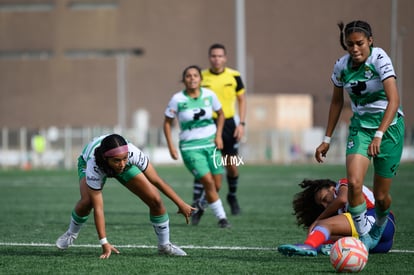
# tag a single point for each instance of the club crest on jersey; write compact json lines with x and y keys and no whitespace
{"x":207,"y":102}
{"x":368,"y":73}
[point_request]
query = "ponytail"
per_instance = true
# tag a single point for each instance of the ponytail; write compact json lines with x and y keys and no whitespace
{"x":341,"y":35}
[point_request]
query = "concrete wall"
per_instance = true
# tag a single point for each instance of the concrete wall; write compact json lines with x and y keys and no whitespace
{"x":291,"y":48}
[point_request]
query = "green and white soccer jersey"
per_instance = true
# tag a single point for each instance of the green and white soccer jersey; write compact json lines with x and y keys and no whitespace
{"x":95,"y":177}
{"x":195,"y":117}
{"x":365,"y":88}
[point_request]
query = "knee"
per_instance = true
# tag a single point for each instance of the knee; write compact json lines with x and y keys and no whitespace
{"x":383,"y":201}
{"x":210,"y":186}
{"x":156,"y":205}
{"x":382,"y":198}
{"x":83,"y":207}
{"x":232,"y":171}
{"x":354,"y":185}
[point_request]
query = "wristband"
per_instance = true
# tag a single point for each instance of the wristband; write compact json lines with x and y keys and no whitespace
{"x":326,"y":139}
{"x":378,"y":134}
{"x":103,"y":241}
{"x":242,"y":123}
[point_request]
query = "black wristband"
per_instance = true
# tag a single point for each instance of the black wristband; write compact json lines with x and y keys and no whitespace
{"x":242,"y":123}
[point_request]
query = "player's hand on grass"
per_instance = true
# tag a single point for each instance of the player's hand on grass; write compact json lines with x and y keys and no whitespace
{"x":107,"y":250}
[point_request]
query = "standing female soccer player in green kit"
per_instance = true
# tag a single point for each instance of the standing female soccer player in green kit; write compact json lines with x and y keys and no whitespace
{"x":376,"y":130}
{"x":112,"y":156}
{"x":200,"y":138}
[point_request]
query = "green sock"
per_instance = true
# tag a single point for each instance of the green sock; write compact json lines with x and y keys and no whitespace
{"x":381,"y":216}
{"x":76,"y":222}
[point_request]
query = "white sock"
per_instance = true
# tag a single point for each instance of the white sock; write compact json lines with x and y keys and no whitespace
{"x":218,"y":209}
{"x":74,"y":227}
{"x":362,"y":223}
{"x":162,"y":230}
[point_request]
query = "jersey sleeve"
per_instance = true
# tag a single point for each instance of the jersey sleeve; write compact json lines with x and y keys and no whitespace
{"x":383,"y":64}
{"x":216,"y":103}
{"x":340,"y":183}
{"x":137,"y":157}
{"x":94,"y":176}
{"x":172,"y":107}
{"x":337,"y":72}
{"x":240,"y":86}
{"x":343,"y":181}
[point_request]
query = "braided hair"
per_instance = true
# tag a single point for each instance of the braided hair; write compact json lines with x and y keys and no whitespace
{"x":354,"y":26}
{"x":108,"y":143}
{"x":305,"y":208}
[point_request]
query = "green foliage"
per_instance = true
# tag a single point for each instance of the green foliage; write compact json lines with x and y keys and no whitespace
{"x":36,"y":207}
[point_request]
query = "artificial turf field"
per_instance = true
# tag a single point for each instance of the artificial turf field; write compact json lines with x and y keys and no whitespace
{"x":36,"y":206}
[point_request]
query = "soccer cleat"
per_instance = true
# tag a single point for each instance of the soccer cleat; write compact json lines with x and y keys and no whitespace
{"x":376,"y":233}
{"x":66,"y":240}
{"x":170,"y":249}
{"x":202,"y":203}
{"x":325,"y":249}
{"x":196,"y":216}
{"x":224,"y":223}
{"x":234,"y":205}
{"x":297,"y":249}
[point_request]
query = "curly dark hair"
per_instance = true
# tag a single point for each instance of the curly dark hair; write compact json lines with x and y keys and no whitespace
{"x":108,"y":143}
{"x":304,"y":206}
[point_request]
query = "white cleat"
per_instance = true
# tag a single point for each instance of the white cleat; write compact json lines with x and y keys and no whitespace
{"x":66,"y":240}
{"x":170,"y":249}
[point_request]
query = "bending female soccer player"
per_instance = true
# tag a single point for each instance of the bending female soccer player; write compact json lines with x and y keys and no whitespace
{"x":322,"y":209}
{"x":112,"y":156}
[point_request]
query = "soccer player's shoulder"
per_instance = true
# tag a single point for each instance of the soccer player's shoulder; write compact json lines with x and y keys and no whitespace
{"x":205,"y":72}
{"x":179,"y":94}
{"x":377,"y":50}
{"x":232,"y":71}
{"x":207,"y":92}
{"x":379,"y":55}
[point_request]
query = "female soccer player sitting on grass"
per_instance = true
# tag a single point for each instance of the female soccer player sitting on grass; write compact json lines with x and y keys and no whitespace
{"x":322,"y":209}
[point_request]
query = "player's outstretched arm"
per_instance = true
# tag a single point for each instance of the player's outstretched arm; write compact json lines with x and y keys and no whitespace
{"x":183,"y":208}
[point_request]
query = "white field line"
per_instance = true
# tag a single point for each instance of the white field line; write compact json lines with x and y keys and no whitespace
{"x":182,"y":246}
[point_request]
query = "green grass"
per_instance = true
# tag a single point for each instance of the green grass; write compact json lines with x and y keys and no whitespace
{"x":36,"y":205}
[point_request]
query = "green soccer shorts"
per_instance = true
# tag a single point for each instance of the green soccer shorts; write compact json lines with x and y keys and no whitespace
{"x":387,"y":162}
